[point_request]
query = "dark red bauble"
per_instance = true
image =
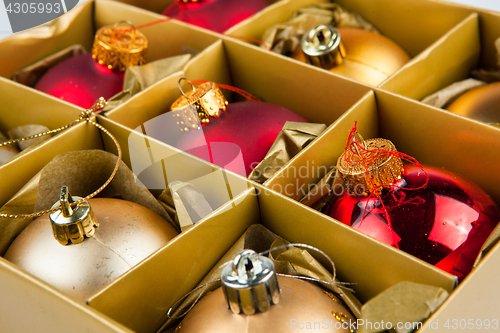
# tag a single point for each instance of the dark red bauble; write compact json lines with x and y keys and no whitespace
{"x":241,"y":137}
{"x":444,"y":224}
{"x":80,"y":80}
{"x":215,"y":15}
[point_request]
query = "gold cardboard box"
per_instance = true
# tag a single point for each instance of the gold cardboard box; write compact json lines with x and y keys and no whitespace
{"x":23,"y":105}
{"x":470,"y":45}
{"x":434,"y":137}
{"x":400,"y":21}
{"x":79,"y":25}
{"x":140,"y":299}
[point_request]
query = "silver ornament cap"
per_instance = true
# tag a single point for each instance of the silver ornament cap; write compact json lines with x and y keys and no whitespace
{"x":322,"y":47}
{"x":72,"y":224}
{"x":250,"y":283}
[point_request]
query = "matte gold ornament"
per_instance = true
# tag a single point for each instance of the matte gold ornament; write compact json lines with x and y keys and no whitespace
{"x":105,"y":237}
{"x":355,"y":53}
{"x":481,"y":104}
{"x":7,"y":152}
{"x":119,"y":47}
{"x":253,"y":299}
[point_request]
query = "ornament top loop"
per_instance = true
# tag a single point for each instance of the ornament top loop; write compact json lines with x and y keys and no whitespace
{"x":116,"y":47}
{"x":207,"y":100}
{"x":118,"y":33}
{"x":359,"y":139}
{"x":322,"y":47}
{"x":180,"y":88}
{"x":84,"y":116}
{"x":72,"y":225}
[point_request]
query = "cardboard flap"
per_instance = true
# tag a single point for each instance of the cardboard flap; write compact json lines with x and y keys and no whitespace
{"x":449,"y":59}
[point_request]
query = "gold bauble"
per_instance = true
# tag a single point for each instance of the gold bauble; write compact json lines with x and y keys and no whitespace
{"x":126,"y":235}
{"x":481,"y":104}
{"x":7,"y":152}
{"x":302,"y":307}
{"x":367,"y":56}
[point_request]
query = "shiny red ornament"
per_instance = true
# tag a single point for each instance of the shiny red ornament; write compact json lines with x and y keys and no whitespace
{"x":444,"y":223}
{"x":80,"y":80}
{"x":240,"y":137}
{"x":215,"y":15}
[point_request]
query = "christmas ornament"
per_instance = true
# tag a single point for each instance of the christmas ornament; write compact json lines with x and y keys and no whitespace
{"x":259,"y":301}
{"x":80,"y":249}
{"x":358,"y":54}
{"x":431,"y":213}
{"x":82,"y":79}
{"x":215,"y":15}
{"x":226,"y":134}
{"x":482,"y":103}
{"x":7,"y":152}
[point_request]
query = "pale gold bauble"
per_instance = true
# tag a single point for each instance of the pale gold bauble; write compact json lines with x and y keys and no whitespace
{"x":481,"y":104}
{"x":126,"y":235}
{"x":302,"y":307}
{"x":369,"y":57}
{"x":6,"y":152}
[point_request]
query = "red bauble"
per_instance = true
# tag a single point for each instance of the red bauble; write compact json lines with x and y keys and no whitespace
{"x":80,"y":80}
{"x":215,"y":15}
{"x":241,"y":137}
{"x":445,"y":223}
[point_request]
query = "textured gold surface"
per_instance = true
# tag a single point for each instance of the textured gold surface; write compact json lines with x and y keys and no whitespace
{"x":362,"y":176}
{"x":208,"y":101}
{"x":119,"y":48}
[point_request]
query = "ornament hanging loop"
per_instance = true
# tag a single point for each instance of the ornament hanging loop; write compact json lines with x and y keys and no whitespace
{"x":118,"y":33}
{"x":65,"y":201}
{"x":180,"y":87}
{"x":87,"y":116}
{"x":358,"y":139}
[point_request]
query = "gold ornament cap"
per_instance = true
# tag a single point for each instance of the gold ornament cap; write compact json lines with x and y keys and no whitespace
{"x":250,"y":283}
{"x":206,"y":100}
{"x":322,"y":47}
{"x":374,"y":169}
{"x":119,"y":46}
{"x":72,"y":224}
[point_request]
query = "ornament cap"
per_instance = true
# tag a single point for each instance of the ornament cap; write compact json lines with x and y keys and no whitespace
{"x":250,"y":283}
{"x":119,"y":46}
{"x":322,"y":47}
{"x":377,"y":167}
{"x":72,"y":224}
{"x":207,"y":101}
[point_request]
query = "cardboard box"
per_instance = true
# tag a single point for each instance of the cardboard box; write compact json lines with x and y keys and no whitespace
{"x":399,"y":21}
{"x":79,"y":25}
{"x":22,"y":106}
{"x":434,"y":137}
{"x":468,"y":46}
{"x":46,"y":304}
